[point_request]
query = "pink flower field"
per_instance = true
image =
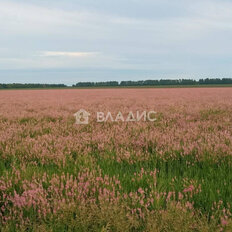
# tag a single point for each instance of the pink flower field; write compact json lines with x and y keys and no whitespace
{"x":171,"y":174}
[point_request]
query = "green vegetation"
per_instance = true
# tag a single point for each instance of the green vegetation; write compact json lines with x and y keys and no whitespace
{"x":224,"y":82}
{"x":30,"y":86}
{"x":209,"y":194}
{"x":162,"y":82}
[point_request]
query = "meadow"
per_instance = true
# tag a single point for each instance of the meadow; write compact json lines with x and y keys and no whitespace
{"x":173,"y":174}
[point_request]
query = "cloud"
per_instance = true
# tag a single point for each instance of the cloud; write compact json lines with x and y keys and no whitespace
{"x":181,"y":36}
{"x":68,"y":54}
{"x":23,"y":18}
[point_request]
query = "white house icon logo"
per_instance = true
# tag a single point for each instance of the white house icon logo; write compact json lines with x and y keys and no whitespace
{"x":82,"y":117}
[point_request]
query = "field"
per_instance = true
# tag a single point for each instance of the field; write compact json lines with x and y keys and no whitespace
{"x":172,"y":174}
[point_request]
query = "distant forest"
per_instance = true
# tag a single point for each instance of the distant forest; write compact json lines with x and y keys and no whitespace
{"x":162,"y":82}
{"x":31,"y":86}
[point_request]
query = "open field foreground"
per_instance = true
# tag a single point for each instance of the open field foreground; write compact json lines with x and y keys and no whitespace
{"x":173,"y":174}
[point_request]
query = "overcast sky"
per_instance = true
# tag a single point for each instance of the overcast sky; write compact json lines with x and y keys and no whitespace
{"x":54,"y":41}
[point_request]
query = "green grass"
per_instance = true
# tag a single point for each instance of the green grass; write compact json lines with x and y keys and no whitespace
{"x":212,"y":176}
{"x":173,"y":175}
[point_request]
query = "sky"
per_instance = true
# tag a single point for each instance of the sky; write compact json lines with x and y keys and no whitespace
{"x":54,"y":41}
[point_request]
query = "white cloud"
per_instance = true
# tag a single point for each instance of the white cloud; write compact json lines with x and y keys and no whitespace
{"x":20,"y":18}
{"x":68,"y":54}
{"x":44,"y":35}
{"x":25,"y":18}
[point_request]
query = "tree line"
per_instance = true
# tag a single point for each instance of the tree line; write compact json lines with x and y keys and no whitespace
{"x":162,"y":82}
{"x":30,"y":86}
